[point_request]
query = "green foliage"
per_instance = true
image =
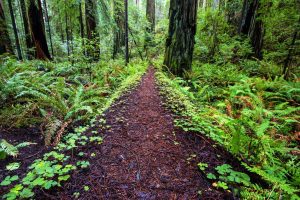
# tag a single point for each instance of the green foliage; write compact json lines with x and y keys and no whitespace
{"x":57,"y":95}
{"x":55,"y":167}
{"x":7,"y":149}
{"x":252,"y":117}
{"x":8,"y":180}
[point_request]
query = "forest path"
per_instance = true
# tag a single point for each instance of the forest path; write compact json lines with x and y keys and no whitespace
{"x":143,"y":156}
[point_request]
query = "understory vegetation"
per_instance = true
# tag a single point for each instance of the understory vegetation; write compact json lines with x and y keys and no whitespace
{"x":229,"y":70}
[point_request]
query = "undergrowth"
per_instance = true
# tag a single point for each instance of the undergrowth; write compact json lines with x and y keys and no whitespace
{"x":55,"y":167}
{"x":54,"y":96}
{"x":254,"y":118}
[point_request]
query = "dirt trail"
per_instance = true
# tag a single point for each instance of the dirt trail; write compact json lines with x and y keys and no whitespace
{"x":143,"y":156}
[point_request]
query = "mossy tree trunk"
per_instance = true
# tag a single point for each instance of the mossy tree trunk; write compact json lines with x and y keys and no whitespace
{"x":181,"y":38}
{"x":37,"y":28}
{"x":5,"y":42}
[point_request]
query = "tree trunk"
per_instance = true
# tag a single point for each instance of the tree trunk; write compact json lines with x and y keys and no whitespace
{"x":181,"y":38}
{"x":15,"y":30}
{"x":286,"y":68}
{"x":91,"y":25}
{"x":252,"y":26}
{"x":48,"y":24}
{"x":67,"y":29}
{"x":36,"y":22}
{"x":126,"y":32}
{"x":5,"y":43}
{"x":81,"y":23}
{"x":119,"y":32}
{"x":28,"y":37}
{"x":150,"y":14}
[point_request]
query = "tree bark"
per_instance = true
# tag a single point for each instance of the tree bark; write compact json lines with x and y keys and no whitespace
{"x":81,"y":23}
{"x":28,"y":37}
{"x":5,"y":42}
{"x":119,"y":32}
{"x":49,"y":27}
{"x":18,"y":46}
{"x":181,"y":37}
{"x":126,"y":33}
{"x":67,"y":29}
{"x":36,"y":22}
{"x":252,"y":26}
{"x":150,"y":15}
{"x":91,"y":25}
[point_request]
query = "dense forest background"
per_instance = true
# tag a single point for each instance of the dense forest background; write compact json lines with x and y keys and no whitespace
{"x":228,"y":68}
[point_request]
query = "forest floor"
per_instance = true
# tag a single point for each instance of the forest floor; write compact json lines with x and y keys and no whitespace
{"x":143,"y":155}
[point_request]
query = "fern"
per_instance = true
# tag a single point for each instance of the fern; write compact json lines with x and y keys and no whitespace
{"x":7,"y":149}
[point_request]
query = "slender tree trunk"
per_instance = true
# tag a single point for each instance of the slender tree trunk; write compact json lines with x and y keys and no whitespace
{"x":126,"y":32}
{"x":252,"y":26}
{"x":67,"y":29}
{"x":150,"y":14}
{"x":91,"y":25}
{"x":81,"y":23}
{"x":119,"y":32}
{"x":181,"y":37}
{"x":28,"y":37}
{"x":49,"y":27}
{"x":36,"y":22}
{"x":5,"y":43}
{"x":18,"y":46}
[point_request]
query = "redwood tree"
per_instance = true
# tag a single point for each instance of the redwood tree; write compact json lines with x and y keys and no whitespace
{"x":5,"y":43}
{"x":28,"y":38}
{"x":181,"y":37}
{"x":252,"y":25}
{"x":36,"y":22}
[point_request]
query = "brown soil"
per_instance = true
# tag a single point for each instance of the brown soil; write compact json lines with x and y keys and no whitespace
{"x":144,"y":156}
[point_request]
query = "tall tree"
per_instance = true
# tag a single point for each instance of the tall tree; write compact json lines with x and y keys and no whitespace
{"x":126,"y":32}
{"x":28,"y":38}
{"x":119,"y":31}
{"x":150,"y":14}
{"x":81,"y":23}
{"x":181,"y":37}
{"x":48,"y":24}
{"x":67,"y":28}
{"x":18,"y":46}
{"x":252,"y":25}
{"x":5,"y":43}
{"x":91,"y":28}
{"x":36,"y":22}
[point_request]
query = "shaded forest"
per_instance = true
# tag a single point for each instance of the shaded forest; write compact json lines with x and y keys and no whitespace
{"x":149,"y":99}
